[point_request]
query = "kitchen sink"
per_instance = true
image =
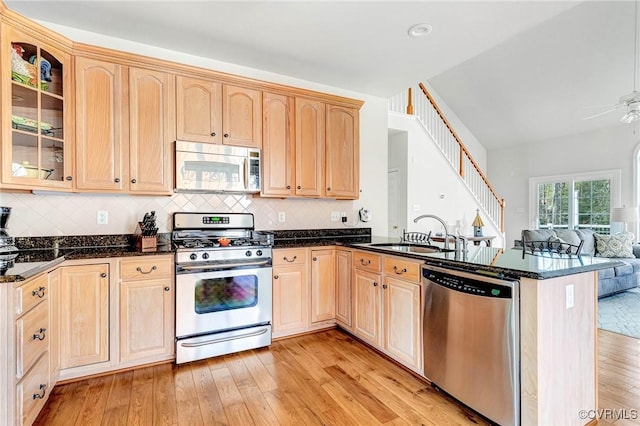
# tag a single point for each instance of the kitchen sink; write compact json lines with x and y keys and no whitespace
{"x":411,"y":248}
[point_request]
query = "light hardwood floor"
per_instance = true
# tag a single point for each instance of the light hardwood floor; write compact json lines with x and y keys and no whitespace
{"x":326,"y":378}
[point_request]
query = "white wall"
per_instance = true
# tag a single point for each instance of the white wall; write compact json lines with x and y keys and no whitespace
{"x":434,"y":186}
{"x":398,"y":152}
{"x":510,"y":168}
{"x":73,"y":214}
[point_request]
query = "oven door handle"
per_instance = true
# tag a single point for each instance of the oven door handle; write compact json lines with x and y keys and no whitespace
{"x":225,"y":339}
{"x":223,"y":265}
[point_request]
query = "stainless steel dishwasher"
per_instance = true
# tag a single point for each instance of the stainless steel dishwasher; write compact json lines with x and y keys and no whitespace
{"x":472,"y":340}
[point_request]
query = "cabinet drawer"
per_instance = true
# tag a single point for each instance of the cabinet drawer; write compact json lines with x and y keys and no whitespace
{"x":32,"y":392}
{"x":32,"y":337}
{"x":146,"y":268}
{"x":288,"y":257}
{"x":402,"y":269}
{"x":31,"y":293}
{"x":367,"y":261}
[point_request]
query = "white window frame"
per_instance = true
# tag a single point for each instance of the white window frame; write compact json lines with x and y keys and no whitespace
{"x":613,"y":175}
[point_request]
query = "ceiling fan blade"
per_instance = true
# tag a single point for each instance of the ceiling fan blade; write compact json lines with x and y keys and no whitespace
{"x":604,"y":112}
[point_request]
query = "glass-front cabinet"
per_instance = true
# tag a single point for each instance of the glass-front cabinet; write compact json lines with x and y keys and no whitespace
{"x":36,"y":144}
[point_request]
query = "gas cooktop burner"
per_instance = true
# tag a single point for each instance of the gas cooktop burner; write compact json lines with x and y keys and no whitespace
{"x":213,"y":243}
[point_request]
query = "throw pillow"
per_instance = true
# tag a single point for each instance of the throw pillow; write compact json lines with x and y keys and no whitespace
{"x":616,"y":245}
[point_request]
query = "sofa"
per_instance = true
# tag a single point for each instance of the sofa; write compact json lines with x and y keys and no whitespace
{"x":619,"y":247}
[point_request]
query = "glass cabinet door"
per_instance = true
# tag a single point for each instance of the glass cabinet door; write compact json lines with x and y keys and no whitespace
{"x":38,"y":108}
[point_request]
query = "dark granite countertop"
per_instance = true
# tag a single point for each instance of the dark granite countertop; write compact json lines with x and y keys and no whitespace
{"x":502,"y":263}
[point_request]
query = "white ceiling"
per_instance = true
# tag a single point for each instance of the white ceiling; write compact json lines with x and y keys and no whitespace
{"x":513,"y":71}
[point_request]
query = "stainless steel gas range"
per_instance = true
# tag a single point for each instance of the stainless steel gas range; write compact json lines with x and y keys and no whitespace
{"x":223,"y":284}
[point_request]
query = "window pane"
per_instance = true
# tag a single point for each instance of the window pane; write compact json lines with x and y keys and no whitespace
{"x":553,"y":205}
{"x":594,"y":204}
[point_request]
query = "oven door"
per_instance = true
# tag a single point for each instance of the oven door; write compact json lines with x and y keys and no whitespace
{"x":210,"y":301}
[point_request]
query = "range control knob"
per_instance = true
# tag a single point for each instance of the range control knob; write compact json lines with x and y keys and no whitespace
{"x":259,"y":253}
{"x":193,"y":256}
{"x":205,"y":255}
{"x":248,"y":253}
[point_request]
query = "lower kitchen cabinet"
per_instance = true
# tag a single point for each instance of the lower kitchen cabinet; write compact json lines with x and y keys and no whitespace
{"x":367,"y":306}
{"x":84,"y":321}
{"x":146,"y":309}
{"x":290,"y":292}
{"x":402,"y":301}
{"x":323,"y":285}
{"x":343,"y":288}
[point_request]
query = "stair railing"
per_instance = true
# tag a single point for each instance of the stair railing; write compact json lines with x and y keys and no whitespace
{"x":441,"y":131}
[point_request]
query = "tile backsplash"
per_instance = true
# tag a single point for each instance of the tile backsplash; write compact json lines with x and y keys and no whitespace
{"x":53,"y":214}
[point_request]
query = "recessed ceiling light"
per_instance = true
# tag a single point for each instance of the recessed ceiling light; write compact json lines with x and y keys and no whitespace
{"x":419,"y":30}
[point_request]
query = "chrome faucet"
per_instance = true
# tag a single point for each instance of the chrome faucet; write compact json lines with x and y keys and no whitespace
{"x":459,"y":241}
{"x":444,"y":225}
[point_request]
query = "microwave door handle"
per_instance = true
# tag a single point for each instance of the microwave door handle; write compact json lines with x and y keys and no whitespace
{"x":246,"y":174}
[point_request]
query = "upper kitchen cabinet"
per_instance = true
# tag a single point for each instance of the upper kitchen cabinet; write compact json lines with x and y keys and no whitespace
{"x":36,"y":110}
{"x":208,"y":111}
{"x":278,"y":150}
{"x":124,"y":128}
{"x":309,"y":146}
{"x":342,"y":171}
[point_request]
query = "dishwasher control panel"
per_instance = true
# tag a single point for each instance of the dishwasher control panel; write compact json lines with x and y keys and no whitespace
{"x":466,"y":284}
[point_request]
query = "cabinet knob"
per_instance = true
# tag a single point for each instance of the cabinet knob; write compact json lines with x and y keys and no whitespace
{"x":69,"y":178}
{"x":288,"y":186}
{"x":299,"y":187}
{"x":133,"y":181}
{"x":275,"y":277}
{"x":43,"y":392}
{"x":40,"y":292}
{"x":384,"y":286}
{"x":329,"y":189}
{"x":213,"y":133}
{"x":315,"y":259}
{"x":117,"y":180}
{"x":375,"y":284}
{"x":103,"y":275}
{"x":167,"y":288}
{"x":226,"y":135}
{"x":40,"y":334}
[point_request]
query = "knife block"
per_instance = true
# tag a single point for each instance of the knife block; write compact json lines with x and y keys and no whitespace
{"x":145,"y":243}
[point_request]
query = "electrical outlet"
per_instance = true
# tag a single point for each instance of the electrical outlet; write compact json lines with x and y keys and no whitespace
{"x":344,"y":219}
{"x":569,"y":296}
{"x":102,"y":217}
{"x":335,"y":216}
{"x":282,"y":217}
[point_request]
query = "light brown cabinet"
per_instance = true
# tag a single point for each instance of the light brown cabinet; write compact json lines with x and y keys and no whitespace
{"x":146,"y":309}
{"x":37,"y":140}
{"x":323,"y":284}
{"x":290,"y":292}
{"x":124,"y":128}
{"x":278,"y":153}
{"x":54,"y":324}
{"x":343,"y":288}
{"x":208,"y":111}
{"x":84,"y":323}
{"x":342,"y":171}
{"x":309,"y":147}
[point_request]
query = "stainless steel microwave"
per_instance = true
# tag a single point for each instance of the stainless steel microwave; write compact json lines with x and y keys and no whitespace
{"x":206,"y":167}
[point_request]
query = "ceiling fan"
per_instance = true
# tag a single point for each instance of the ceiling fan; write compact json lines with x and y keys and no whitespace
{"x":632,"y":100}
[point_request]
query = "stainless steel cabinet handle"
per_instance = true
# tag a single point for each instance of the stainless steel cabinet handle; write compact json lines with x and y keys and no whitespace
{"x":40,"y":335}
{"x":399,"y":271}
{"x":40,"y":292}
{"x":153,"y":268}
{"x":290,"y":261}
{"x":363,"y":263}
{"x":43,"y":389}
{"x":103,"y":275}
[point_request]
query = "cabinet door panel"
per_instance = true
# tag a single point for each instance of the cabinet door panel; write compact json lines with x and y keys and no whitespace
{"x":402,"y":321}
{"x":290,"y":300}
{"x":198,"y":110}
{"x":101,"y":125}
{"x":242,"y":116}
{"x":342,"y":151}
{"x":323,"y":285}
{"x":152,"y":129}
{"x":367,"y":306}
{"x":278,"y":154}
{"x":310,"y":134}
{"x":146,"y":319}
{"x":84,"y":292}
{"x":343,"y":288}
